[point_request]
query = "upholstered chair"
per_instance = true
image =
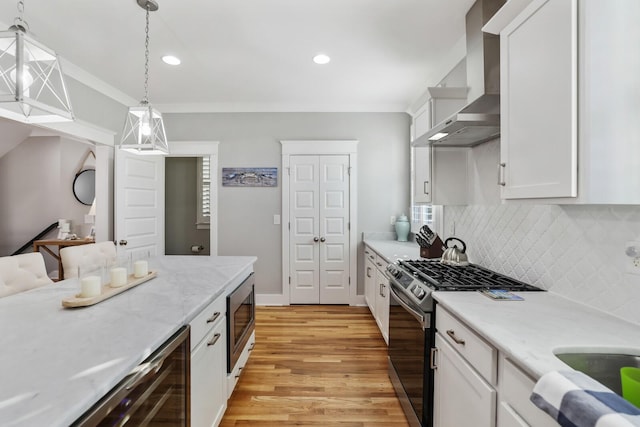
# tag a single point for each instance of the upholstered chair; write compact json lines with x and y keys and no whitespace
{"x":91,"y":256}
{"x":20,"y":273}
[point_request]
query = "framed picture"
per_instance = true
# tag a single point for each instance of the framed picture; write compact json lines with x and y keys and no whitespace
{"x":249,"y":177}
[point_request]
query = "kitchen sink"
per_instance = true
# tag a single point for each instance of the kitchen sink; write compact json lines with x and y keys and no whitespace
{"x":602,"y":367}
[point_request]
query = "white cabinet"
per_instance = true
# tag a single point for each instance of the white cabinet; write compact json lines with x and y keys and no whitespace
{"x":476,"y":385}
{"x":538,"y":152}
{"x":462,"y":397}
{"x":377,"y":289}
{"x":382,"y":304}
{"x":515,"y":408}
{"x":209,"y":365}
{"x":370,"y":279}
{"x":569,"y":128}
{"x":421,"y":173}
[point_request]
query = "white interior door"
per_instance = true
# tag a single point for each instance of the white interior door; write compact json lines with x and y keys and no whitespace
{"x":334,"y":229}
{"x":305,"y":229}
{"x":319,"y":235}
{"x":139,"y":208}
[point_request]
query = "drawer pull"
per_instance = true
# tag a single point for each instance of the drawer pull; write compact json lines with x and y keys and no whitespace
{"x":453,"y":336}
{"x":251,"y":347}
{"x":432,"y":360}
{"x":215,"y":339}
{"x":214,"y":317}
{"x":239,"y":371}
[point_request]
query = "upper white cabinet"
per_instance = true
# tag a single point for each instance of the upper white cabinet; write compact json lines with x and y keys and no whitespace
{"x":538,"y":151}
{"x":439,"y":174}
{"x":569,"y":106}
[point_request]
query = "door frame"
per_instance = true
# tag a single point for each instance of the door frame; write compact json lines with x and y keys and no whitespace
{"x":320,"y":147}
{"x":198,"y":149}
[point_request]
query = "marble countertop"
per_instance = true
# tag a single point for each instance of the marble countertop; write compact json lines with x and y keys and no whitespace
{"x":55,"y":363}
{"x":391,"y":250}
{"x":529,"y":331}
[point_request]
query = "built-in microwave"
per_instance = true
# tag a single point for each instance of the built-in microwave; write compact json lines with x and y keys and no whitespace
{"x":241,"y":319}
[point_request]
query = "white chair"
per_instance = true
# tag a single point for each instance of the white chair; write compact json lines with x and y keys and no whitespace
{"x":20,"y":273}
{"x":91,"y":256}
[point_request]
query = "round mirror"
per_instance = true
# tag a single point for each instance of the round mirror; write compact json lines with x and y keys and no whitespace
{"x":84,"y":186}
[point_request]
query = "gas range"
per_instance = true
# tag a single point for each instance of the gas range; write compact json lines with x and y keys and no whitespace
{"x":419,"y":278}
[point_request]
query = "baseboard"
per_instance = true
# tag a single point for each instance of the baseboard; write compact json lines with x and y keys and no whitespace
{"x":271,"y":299}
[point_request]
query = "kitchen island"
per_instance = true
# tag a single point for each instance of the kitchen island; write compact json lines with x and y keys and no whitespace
{"x":56,"y":363}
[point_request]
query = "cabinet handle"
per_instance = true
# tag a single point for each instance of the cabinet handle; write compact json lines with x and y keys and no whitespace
{"x":369,"y":272}
{"x":432,"y":358}
{"x":380,"y":289}
{"x":371,"y":257}
{"x":501,"y":167}
{"x":383,"y":286}
{"x":453,"y":336}
{"x":424,"y":189}
{"x":215,"y":339}
{"x":239,"y":371}
{"x":214,"y":317}
{"x":251,"y":347}
{"x":379,"y":265}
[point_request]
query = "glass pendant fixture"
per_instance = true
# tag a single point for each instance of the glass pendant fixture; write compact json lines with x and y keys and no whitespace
{"x":143,"y":131}
{"x":32,"y":88}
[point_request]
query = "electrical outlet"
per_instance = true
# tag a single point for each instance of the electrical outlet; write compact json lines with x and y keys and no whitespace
{"x":632,"y":252}
{"x":392,"y":221}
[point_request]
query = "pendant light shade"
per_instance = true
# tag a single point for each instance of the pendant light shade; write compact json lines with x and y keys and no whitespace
{"x":143,"y":131}
{"x":32,"y":88}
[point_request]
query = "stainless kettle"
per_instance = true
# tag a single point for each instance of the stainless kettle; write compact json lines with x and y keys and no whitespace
{"x":454,"y":256}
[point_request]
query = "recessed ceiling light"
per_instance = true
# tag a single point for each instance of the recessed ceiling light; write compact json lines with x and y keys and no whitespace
{"x":321,"y":59}
{"x":171,"y":60}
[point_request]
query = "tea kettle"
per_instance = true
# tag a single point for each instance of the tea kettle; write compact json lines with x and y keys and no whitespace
{"x":454,"y":256}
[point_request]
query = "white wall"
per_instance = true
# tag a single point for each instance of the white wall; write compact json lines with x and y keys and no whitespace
{"x":245,"y":218}
{"x":573,"y":250}
{"x":36,"y":189}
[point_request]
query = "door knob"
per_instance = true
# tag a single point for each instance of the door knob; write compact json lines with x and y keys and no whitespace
{"x":322,"y":239}
{"x":315,"y":239}
{"x":122,"y":243}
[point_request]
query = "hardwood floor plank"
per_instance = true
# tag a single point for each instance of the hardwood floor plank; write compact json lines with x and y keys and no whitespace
{"x":315,"y":366}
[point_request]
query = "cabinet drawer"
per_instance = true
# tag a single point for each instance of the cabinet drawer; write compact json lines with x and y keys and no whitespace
{"x":507,"y":417}
{"x":207,"y":320}
{"x":515,"y":389}
{"x":481,"y":355}
{"x":381,"y":263}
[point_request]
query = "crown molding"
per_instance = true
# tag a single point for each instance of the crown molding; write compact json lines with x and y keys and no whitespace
{"x":222,"y":107}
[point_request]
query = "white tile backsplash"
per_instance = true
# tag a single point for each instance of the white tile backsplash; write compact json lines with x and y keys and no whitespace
{"x":576,"y":251}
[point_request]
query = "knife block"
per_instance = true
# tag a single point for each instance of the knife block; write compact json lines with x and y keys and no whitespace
{"x":433,"y":251}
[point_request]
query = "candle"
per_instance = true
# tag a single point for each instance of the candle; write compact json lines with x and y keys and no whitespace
{"x":90,"y":287}
{"x":140,"y":269}
{"x":118,"y":277}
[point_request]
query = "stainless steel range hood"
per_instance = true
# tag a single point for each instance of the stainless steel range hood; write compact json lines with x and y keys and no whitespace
{"x":479,"y":120}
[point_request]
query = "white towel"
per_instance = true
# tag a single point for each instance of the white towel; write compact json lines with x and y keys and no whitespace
{"x":574,"y":399}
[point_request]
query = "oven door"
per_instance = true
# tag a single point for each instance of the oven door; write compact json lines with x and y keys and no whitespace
{"x":410,"y":341}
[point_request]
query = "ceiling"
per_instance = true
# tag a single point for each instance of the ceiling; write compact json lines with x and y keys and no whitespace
{"x":256,"y":55}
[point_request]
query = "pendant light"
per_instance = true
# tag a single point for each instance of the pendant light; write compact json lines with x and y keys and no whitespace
{"x":32,"y":89}
{"x":143,"y":131}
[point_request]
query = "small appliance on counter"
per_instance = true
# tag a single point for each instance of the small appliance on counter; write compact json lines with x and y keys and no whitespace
{"x":453,"y":255}
{"x":431,"y":245}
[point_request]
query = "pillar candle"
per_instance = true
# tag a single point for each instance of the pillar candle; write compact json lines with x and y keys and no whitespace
{"x":90,"y":286}
{"x":118,"y":277}
{"x":140,"y":269}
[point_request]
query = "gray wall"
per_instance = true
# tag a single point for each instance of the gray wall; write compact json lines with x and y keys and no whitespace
{"x":181,"y":208}
{"x":245,"y":215}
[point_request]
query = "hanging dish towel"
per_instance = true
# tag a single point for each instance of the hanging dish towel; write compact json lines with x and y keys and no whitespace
{"x":574,"y":399}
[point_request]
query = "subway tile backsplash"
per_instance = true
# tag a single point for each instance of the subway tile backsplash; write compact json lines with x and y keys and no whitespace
{"x":575,"y":251}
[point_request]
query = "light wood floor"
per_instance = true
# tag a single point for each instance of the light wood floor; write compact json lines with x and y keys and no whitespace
{"x":315,"y":366}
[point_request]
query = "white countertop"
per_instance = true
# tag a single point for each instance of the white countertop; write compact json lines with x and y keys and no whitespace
{"x":55,"y":363}
{"x":391,"y":250}
{"x":529,"y":331}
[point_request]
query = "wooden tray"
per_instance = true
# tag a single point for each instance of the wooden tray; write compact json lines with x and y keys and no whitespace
{"x":107,"y":292}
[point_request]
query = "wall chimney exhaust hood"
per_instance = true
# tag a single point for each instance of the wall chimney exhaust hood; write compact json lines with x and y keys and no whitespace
{"x":479,"y":120}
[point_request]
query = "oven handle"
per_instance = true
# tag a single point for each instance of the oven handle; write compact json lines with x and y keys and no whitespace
{"x":419,"y":317}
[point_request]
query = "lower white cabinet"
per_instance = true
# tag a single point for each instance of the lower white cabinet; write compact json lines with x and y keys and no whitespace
{"x":462,"y":396}
{"x":382,"y":304}
{"x":370,"y":279}
{"x":209,"y":365}
{"x":234,"y":375}
{"x":376,"y":289}
{"x":515,"y":406}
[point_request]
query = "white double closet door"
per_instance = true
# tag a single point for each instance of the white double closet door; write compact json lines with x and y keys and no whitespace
{"x":319,"y":229}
